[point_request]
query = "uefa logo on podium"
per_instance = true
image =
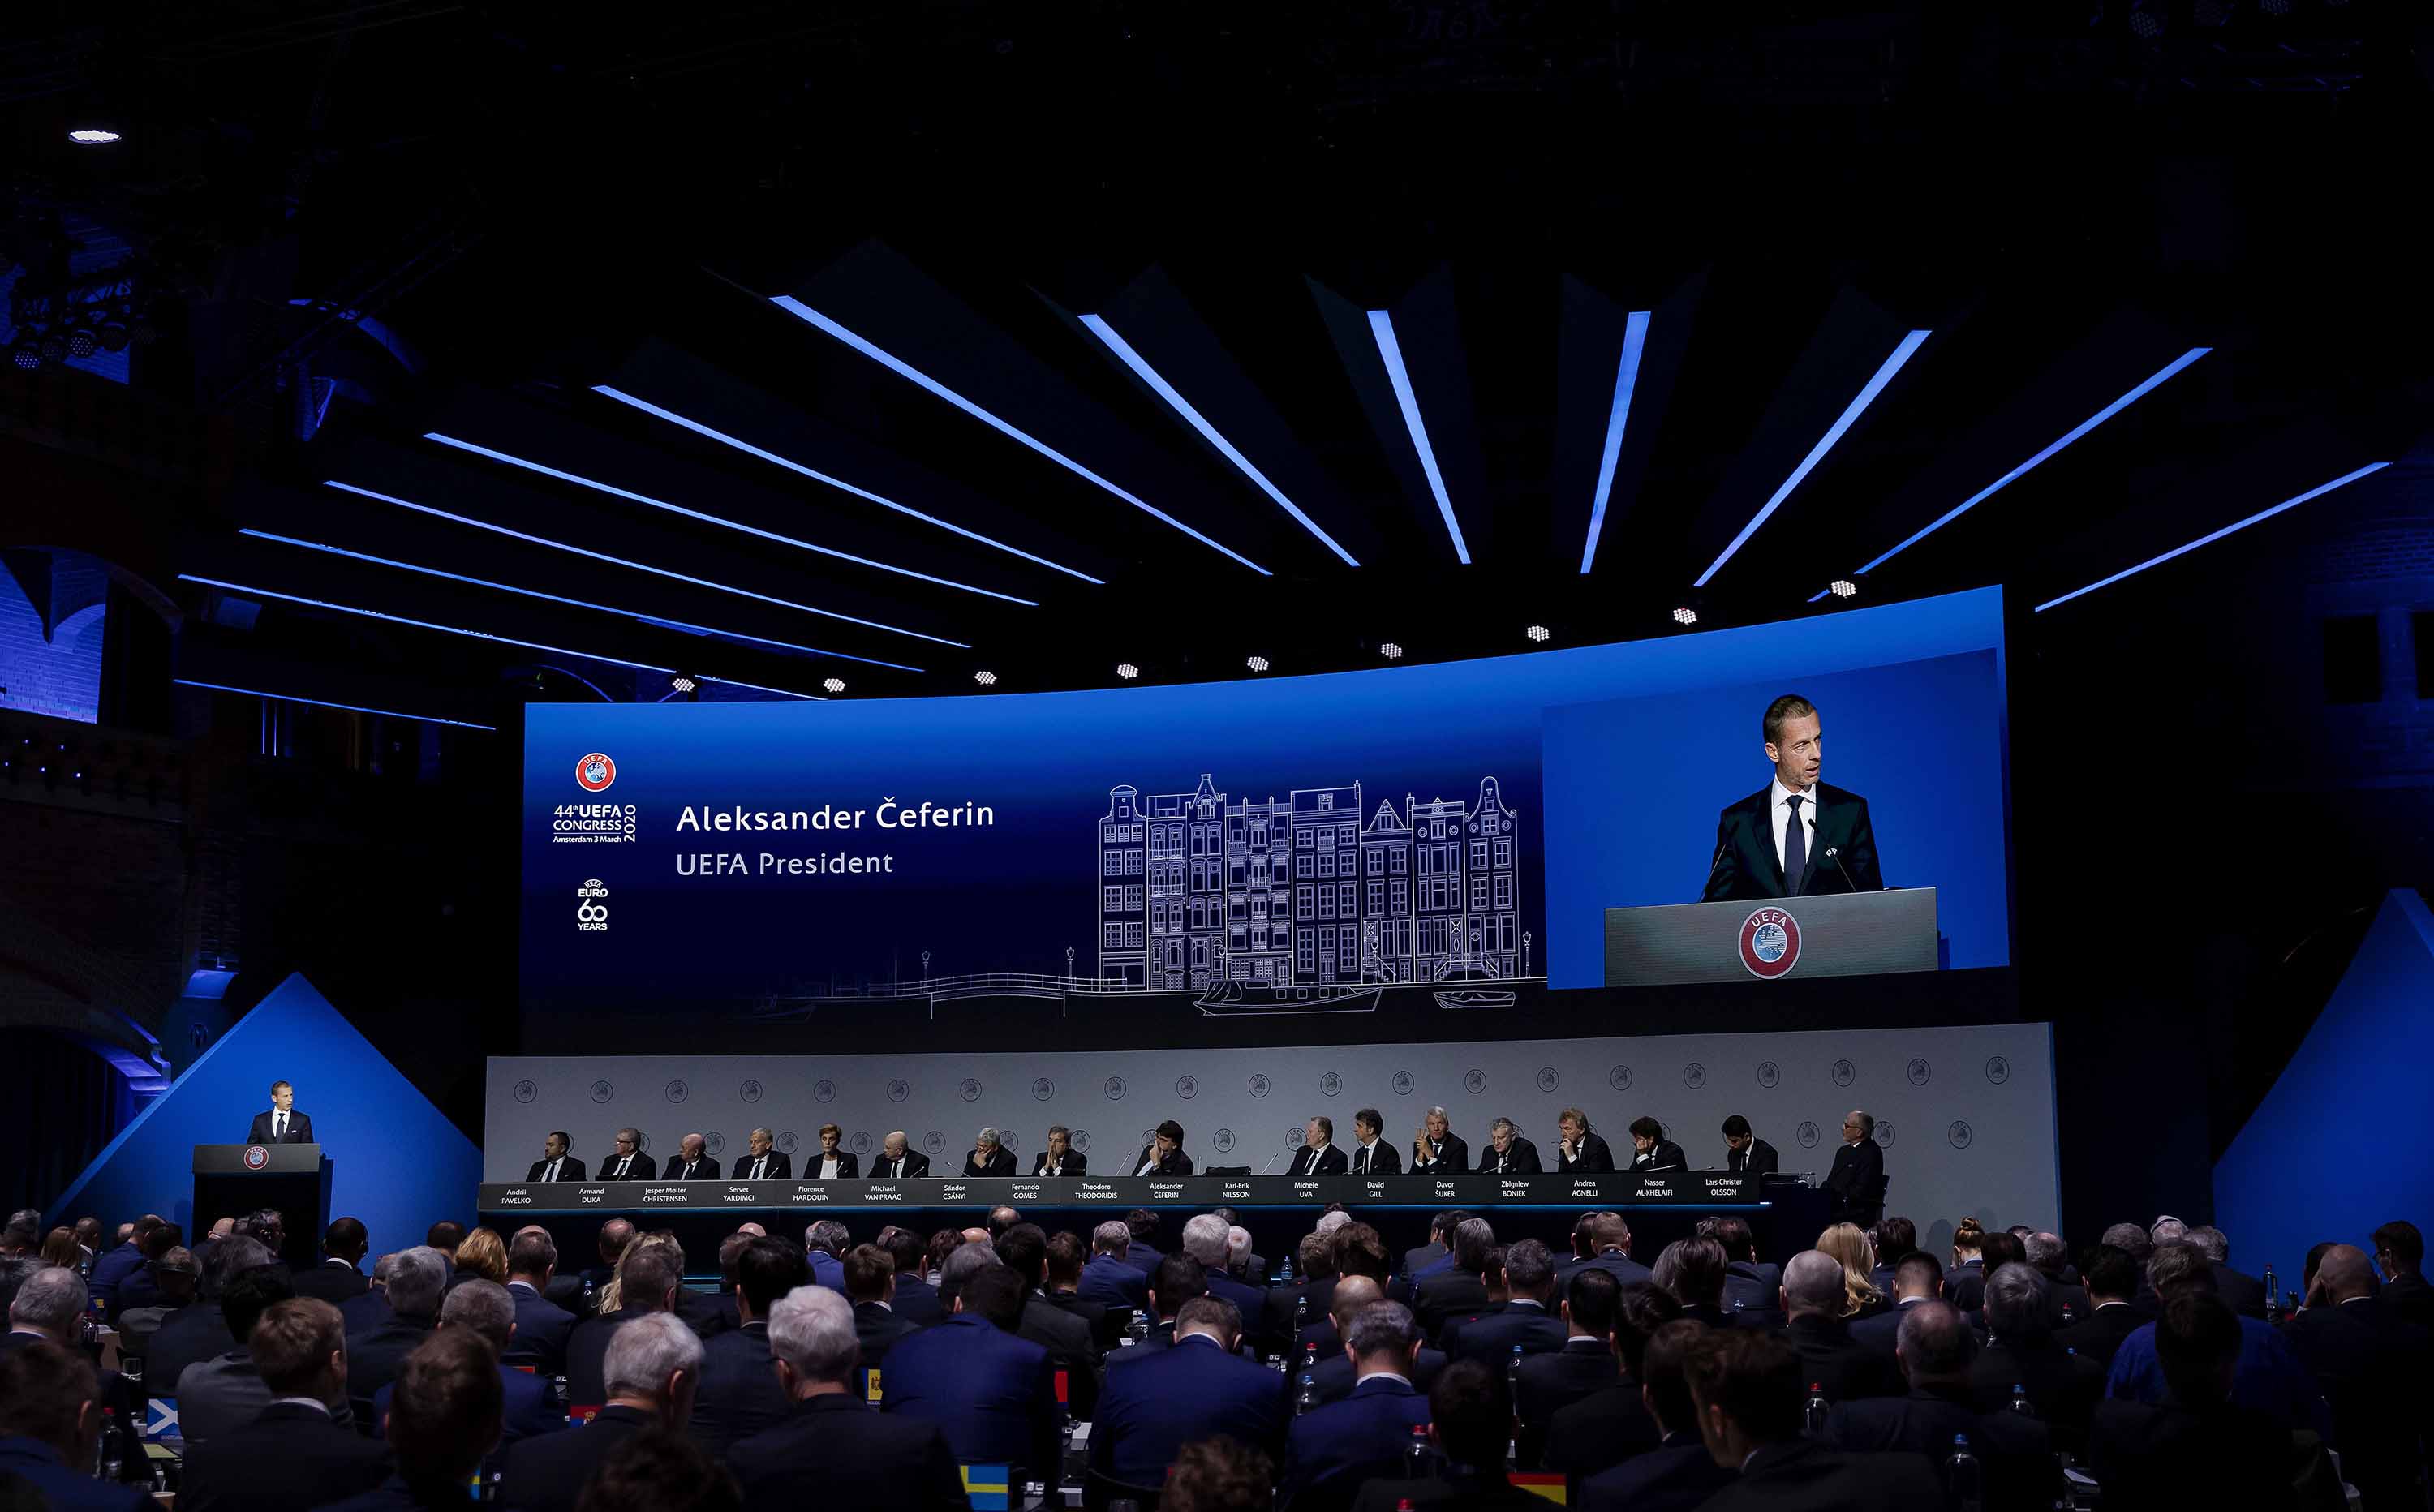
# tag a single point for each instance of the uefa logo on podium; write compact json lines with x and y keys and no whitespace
{"x":1770,"y":943}
{"x":256,"y":1157}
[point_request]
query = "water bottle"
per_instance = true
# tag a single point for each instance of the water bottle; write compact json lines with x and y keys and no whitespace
{"x":2020,"y":1402}
{"x":2273,"y":1298}
{"x":1139,"y":1329}
{"x":1308,"y":1397}
{"x":1284,"y":1271}
{"x":1301,"y":1312}
{"x":106,"y":1465}
{"x":1513,"y":1375}
{"x":1961,"y":1478}
{"x":1309,"y":1355}
{"x":590,"y":1302}
{"x":1415,"y":1454}
{"x":1814,"y":1416}
{"x":2069,"y":1316}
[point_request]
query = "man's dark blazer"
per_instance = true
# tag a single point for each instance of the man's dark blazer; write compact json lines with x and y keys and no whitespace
{"x":1333,"y":1378}
{"x":738,"y":1395}
{"x":62,"y":1488}
{"x":2062,"y":1386}
{"x":528,"y":1406}
{"x":290,"y":1459}
{"x":2151,"y":1457}
{"x":1420,"y":1259}
{"x":1104,"y":1324}
{"x":1881,"y":1331}
{"x":1804,"y":1475}
{"x":1114,"y":1285}
{"x":1520,"y":1158}
{"x":916,"y":1302}
{"x":1664,"y":1155}
{"x":914,"y":1163}
{"x":1748,"y":868}
{"x":990,"y":1392}
{"x":332,"y":1281}
{"x":1964,"y":1285}
{"x":2241,"y":1292}
{"x":2014,"y":1453}
{"x":1677,"y":1476}
{"x":1175,"y":1162}
{"x":680,"y":1169}
{"x":570,"y":1168}
{"x":1248,"y":1301}
{"x":1153,"y":1406}
{"x":1070,"y":1349}
{"x":1524,"y":1322}
{"x":542,"y":1331}
{"x":2371,"y":1363}
{"x":549,"y":1473}
{"x":299,"y":1128}
{"x":1347,"y":1442}
{"x":1074,"y":1163}
{"x":194,"y":1332}
{"x":1445,"y":1296}
{"x":781,"y":1167}
{"x":1831,"y":1358}
{"x":1454,"y":1158}
{"x":2098,"y":1336}
{"x":1758,"y":1158}
{"x":1554,"y":1381}
{"x":1604,"y":1427}
{"x":848,"y":1168}
{"x":1853,"y":1179}
{"x":364,"y":1313}
{"x":1614,"y":1262}
{"x":1450,"y":1340}
{"x":2409,"y":1296}
{"x":112,"y":1267}
{"x":1000,"y":1163}
{"x":878,"y":1329}
{"x":1753,"y":1289}
{"x":644,"y":1168}
{"x":587,"y":1356}
{"x":1596,"y":1155}
{"x":1329,"y":1161}
{"x":853,"y":1456}
{"x":710,"y":1313}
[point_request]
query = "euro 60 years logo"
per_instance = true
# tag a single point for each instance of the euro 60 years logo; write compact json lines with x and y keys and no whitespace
{"x":591,"y":908}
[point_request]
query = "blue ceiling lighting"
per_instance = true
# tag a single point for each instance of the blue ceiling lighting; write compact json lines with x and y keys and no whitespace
{"x":453,"y":630}
{"x":712,"y":519}
{"x":639,"y":567}
{"x":2074,"y":434}
{"x":578,"y":604}
{"x":2261,"y":515}
{"x":903,"y":369}
{"x":1381,"y":324}
{"x":323,"y":703}
{"x":1626,"y":377}
{"x":1098,"y":327}
{"x":1850,"y":415}
{"x":818,"y":476}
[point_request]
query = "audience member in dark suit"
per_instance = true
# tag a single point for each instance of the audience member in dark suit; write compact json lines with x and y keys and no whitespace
{"x":1318,"y":1155}
{"x":339,"y":1275}
{"x":1470,"y":1418}
{"x":1023,"y":1249}
{"x":1461,"y":1289}
{"x":2372,"y":1364}
{"x":914,"y":1298}
{"x":1613,"y":1423}
{"x":1581,"y":1148}
{"x":1507,"y":1153}
{"x":1333,"y":1449}
{"x":2023,"y":1355}
{"x":654,"y":1369}
{"x":1843,"y":1368}
{"x":1163,"y":1155}
{"x":1917,"y":1279}
{"x":1288,"y":1309}
{"x":282,"y":1123}
{"x":1651,"y":1152}
{"x":50,"y":1416}
{"x":1060,"y":1158}
{"x":832,"y":1449}
{"x":825,"y":1242}
{"x":898,"y":1161}
{"x":989,"y":1389}
{"x":1437,"y":1251}
{"x":1964,"y":1284}
{"x":415,"y":1285}
{"x":201,"y":1331}
{"x":1677,"y":1473}
{"x":987,"y":1157}
{"x":369,"y":1311}
{"x":691,"y":1162}
{"x":739,"y":1393}
{"x":1858,"y":1174}
{"x":2111,"y":1281}
{"x":1527,"y":1323}
{"x":1745,"y":1151}
{"x":2196,"y":1447}
{"x":1333,"y":1376}
{"x":555,"y":1164}
{"x":650,"y":1275}
{"x":1108,"y":1278}
{"x":1370,"y":1155}
{"x":1695,"y":1271}
{"x":291,"y":1455}
{"x":1180,"y":1278}
{"x":1207,"y":1239}
{"x":1749,"y":1388}
{"x":1585,"y":1365}
{"x":227,"y":1391}
{"x":761,"y":1161}
{"x":2014,"y":1453}
{"x":1151,"y":1408}
{"x":115,"y":1266}
{"x":2065,"y":1297}
{"x":871,"y":1286}
{"x":1892,"y":1237}
{"x":541,"y":1326}
{"x":1146,"y":1225}
{"x":2268,"y":1378}
{"x":626,"y":1162}
{"x":1437,"y":1149}
{"x":2241,"y":1292}
{"x":2400,"y":1256}
{"x":1609,"y":1242}
{"x":1065,"y":1262}
{"x":528,"y":1404}
{"x":442,"y":1422}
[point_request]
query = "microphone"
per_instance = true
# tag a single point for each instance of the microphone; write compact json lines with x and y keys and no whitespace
{"x":1269,"y":1169}
{"x":1711,"y":868}
{"x":1834,"y":853}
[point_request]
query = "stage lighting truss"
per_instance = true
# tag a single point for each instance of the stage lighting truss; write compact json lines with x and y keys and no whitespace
{"x":1390,"y":651}
{"x":834,"y":685}
{"x":1127,"y":671}
{"x":1257,"y":664}
{"x":1686,"y":616}
{"x":985,"y":678}
{"x":1843,"y":588}
{"x":682,"y":684}
{"x":1539,"y":634}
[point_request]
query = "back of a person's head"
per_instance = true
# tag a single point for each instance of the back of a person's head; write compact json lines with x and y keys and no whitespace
{"x":997,"y":1295}
{"x":1143,"y":1224}
{"x":292,"y":1342}
{"x":1813,"y":1282}
{"x":1358,"y":1249}
{"x":811,"y":1330}
{"x":1642,"y":1309}
{"x":416,"y":1279}
{"x":2046,"y":1252}
{"x":2108,"y":1270}
{"x":910,"y":1251}
{"x":644,"y":1353}
{"x":1023,"y":1248}
{"x":829,"y":1235}
{"x":771,"y":1266}
{"x":1382,"y":1330}
{"x":1177,"y":1279}
{"x":1969,"y":1236}
{"x":1110,"y":1238}
{"x":1754,"y":1377}
{"x":2399,"y":1241}
{"x":2002,"y":1249}
{"x":533,"y":1252}
{"x":234,"y":1254}
{"x":1472,"y":1413}
{"x":162,"y":1238}
{"x":43,"y":1386}
{"x":646,"y":1273}
{"x":251,"y":1292}
{"x":1609,"y":1231}
{"x":964,"y":1263}
{"x":1662,"y":1372}
{"x":2345,"y":1273}
{"x":660,"y":1470}
{"x":1733,"y":1235}
{"x":868,"y":1272}
{"x":444,"y":1411}
{"x":1066,"y":1255}
{"x":445,"y":1235}
{"x":1472,"y":1239}
{"x":1205,"y":1239}
{"x":1001,"y":1219}
{"x":2179,"y":1267}
{"x":1350,"y":1296}
{"x":483,"y":1253}
{"x":1935,"y":1343}
{"x":2130,"y":1239}
{"x":2212,"y":1243}
{"x":615,"y":1235}
{"x":50,"y":1299}
{"x":1692,"y":1270}
{"x":2015,"y":1303}
{"x":1213,"y":1315}
{"x":1918,"y":1274}
{"x":1593,"y":1297}
{"x":1894,"y":1237}
{"x":2197,"y":1342}
{"x":482,"y":1308}
{"x":1529,"y":1269}
{"x":344,"y":1235}
{"x":1219,"y":1474}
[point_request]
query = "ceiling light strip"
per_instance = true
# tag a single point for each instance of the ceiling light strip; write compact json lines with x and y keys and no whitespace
{"x":323,"y":703}
{"x":906,"y":371}
{"x":818,"y":476}
{"x":615,"y":491}
{"x":1626,"y":379}
{"x":639,"y":567}
{"x":1382,"y":326}
{"x":1098,"y":326}
{"x":2261,"y":515}
{"x":1850,"y":415}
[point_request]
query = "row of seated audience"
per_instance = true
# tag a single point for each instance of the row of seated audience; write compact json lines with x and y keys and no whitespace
{"x":1847,"y":1377}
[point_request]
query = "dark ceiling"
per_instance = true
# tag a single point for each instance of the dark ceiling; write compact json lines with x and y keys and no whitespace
{"x":397,"y":222}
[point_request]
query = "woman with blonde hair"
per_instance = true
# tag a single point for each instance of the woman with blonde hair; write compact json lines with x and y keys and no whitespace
{"x":1851,"y":1250}
{"x":482,"y":1255}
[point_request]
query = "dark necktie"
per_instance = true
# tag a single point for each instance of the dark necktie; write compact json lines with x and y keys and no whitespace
{"x":760,"y":1167}
{"x":278,"y":1126}
{"x":1361,"y":1163}
{"x":626,"y":1165}
{"x":1796,"y":848}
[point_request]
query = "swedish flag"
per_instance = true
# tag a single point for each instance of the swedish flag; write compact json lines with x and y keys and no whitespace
{"x":989,"y":1487}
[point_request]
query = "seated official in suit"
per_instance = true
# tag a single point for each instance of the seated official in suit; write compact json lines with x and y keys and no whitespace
{"x":1370,"y":1154}
{"x":291,"y":1455}
{"x":555,"y":1165}
{"x":375,"y":1356}
{"x":832,"y":1163}
{"x":338,"y":1277}
{"x":1333,"y":1375}
{"x":650,"y":1277}
{"x":1507,"y":1153}
{"x":825,"y":1242}
{"x":1163,"y":1155}
{"x":282,"y":1123}
{"x":1060,"y":1158}
{"x":1470,"y":1420}
{"x":1694,"y":1270}
{"x":916,"y":1300}
{"x":2111,"y":1278}
{"x":1796,"y":835}
{"x":1814,"y":1301}
{"x":528,"y":1404}
{"x":1110,"y":1279}
{"x":227,"y":1391}
{"x":50,"y":1421}
{"x":1858,"y":1172}
{"x":1461,"y":1289}
{"x":2022,"y":1357}
{"x":1651,"y":1152}
{"x":1528,"y":1321}
{"x":130,"y":1256}
{"x":1677,"y":1473}
{"x":1550,"y":1381}
{"x":1023,"y":1249}
{"x":1331,"y":1449}
{"x":1610,"y":1249}
{"x":988,"y":1157}
{"x":2371,"y":1360}
{"x":1151,"y":1408}
{"x":443,"y":1419}
{"x":691,"y":1162}
{"x":2196,"y":1446}
{"x":652,"y":1371}
{"x":1581,"y":1149}
{"x":542,"y":1325}
{"x":989,"y":1390}
{"x":1067,"y":1257}
{"x":1318,"y":1155}
{"x":871,"y":1287}
{"x":1437,"y":1149}
{"x":831,"y":1449}
{"x":1916,"y":1278}
{"x":1745,"y":1151}
{"x":199,"y":1331}
{"x":2014,"y":1453}
{"x":1613,"y":1423}
{"x":1210,"y":1239}
{"x":897,"y":1159}
{"x":1749,"y":1391}
{"x":739,"y":1393}
{"x":627,"y":1163}
{"x":761,"y":1161}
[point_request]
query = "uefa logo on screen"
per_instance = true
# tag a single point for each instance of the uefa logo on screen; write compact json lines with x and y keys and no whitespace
{"x":1770,"y":943}
{"x":595,"y":772}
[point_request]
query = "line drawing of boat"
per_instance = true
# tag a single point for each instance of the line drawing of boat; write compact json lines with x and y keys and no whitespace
{"x":1236,"y":997}
{"x":1463,"y":971}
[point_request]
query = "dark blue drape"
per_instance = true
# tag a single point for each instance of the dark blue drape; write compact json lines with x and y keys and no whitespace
{"x":60,"y":1103}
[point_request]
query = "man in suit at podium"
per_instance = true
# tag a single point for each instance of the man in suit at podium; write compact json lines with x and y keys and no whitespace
{"x":1796,"y":835}
{"x":761,"y":1162}
{"x":691,"y":1163}
{"x":282,"y":1124}
{"x":1060,"y":1158}
{"x":1745,"y":1151}
{"x":899,"y":1159}
{"x":1437,"y":1149}
{"x":627,"y":1163}
{"x":1318,"y":1155}
{"x":988,"y":1156}
{"x":1507,"y":1153}
{"x":1859,"y":1165}
{"x":1163,"y":1155}
{"x":1583,"y":1149}
{"x":555,"y":1165}
{"x":1651,"y":1150}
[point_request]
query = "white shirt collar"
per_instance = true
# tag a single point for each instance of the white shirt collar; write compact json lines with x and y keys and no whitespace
{"x":1321,"y":1148}
{"x":1382,"y":1375}
{"x":1777,"y":793}
{"x":1209,"y":1339}
{"x":309,"y":1401}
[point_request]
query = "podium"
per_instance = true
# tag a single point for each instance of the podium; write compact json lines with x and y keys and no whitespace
{"x":1833,"y":934}
{"x":234,"y":1180}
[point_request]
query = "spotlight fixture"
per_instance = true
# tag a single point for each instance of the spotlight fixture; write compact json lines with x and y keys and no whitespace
{"x":682,"y":684}
{"x":1686,"y":616}
{"x":1127,"y":671}
{"x":1257,"y":664}
{"x":2146,"y":19}
{"x":55,"y":346}
{"x":83,"y":342}
{"x":26,"y":354}
{"x":834,"y":685}
{"x":1843,"y":588}
{"x":985,"y":678}
{"x":113,"y":335}
{"x":93,"y":136}
{"x":1538,"y":634}
{"x":1390,"y":651}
